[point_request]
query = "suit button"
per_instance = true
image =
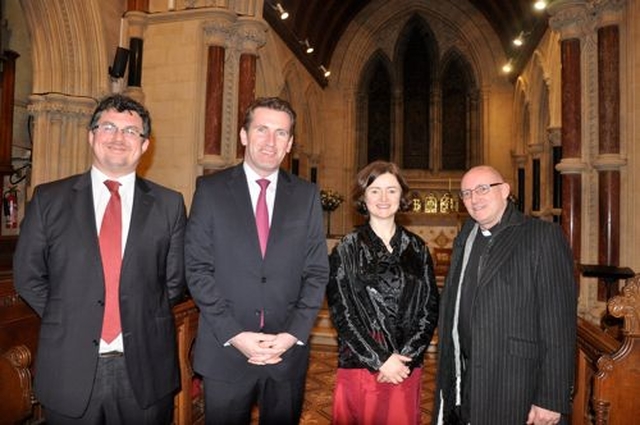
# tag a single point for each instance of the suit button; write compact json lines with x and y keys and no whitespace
{"x":257,"y":313}
{"x":263,"y":280}
{"x":95,"y":342}
{"x":101,"y":303}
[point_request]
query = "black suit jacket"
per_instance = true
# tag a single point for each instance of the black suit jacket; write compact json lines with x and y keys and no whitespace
{"x":58,"y":271}
{"x":232,"y":283}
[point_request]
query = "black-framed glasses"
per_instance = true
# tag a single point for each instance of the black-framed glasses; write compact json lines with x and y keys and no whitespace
{"x":110,"y":129}
{"x":481,"y":189}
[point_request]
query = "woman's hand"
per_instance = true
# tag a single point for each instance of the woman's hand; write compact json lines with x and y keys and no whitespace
{"x":394,"y":370}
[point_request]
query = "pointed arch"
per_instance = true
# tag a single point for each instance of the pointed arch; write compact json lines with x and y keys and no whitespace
{"x":460,"y":111}
{"x":375,"y":110}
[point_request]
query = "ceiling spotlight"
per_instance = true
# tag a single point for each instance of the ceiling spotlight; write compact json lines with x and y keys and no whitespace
{"x":325,"y":71}
{"x":283,"y":13}
{"x":508,"y":67}
{"x":540,"y":4}
{"x":519,"y":40}
{"x":307,"y":46}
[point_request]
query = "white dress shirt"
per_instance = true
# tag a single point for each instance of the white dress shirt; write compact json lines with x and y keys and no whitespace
{"x":254,"y":188}
{"x":101,"y":196}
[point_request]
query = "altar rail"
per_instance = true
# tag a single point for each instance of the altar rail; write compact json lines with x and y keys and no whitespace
{"x":608,"y":370}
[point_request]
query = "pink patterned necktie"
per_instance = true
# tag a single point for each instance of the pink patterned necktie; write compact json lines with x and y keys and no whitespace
{"x":262,"y":215}
{"x":111,"y":252}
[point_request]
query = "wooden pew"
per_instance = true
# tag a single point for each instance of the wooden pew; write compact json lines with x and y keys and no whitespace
{"x":189,"y":402}
{"x":16,"y":397}
{"x":608,"y":370}
{"x":19,"y":326}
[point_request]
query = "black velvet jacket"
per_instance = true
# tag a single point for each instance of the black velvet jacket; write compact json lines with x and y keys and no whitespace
{"x":382,"y":302}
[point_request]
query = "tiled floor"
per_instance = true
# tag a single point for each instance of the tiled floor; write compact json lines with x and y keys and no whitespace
{"x":320,"y":382}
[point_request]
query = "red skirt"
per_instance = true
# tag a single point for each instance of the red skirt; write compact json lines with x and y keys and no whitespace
{"x":359,"y":399}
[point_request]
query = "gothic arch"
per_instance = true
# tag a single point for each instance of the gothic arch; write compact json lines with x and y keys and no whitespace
{"x":69,"y":42}
{"x":377,"y":80}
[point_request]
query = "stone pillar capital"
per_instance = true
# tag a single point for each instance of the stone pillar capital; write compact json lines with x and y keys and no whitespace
{"x":608,"y":12}
{"x":570,"y":18}
{"x":136,"y":23}
{"x":218,"y":29}
{"x":250,"y":35}
{"x":554,"y":135}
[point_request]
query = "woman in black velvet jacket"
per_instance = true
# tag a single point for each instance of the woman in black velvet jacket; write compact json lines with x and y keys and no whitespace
{"x":383,"y":300}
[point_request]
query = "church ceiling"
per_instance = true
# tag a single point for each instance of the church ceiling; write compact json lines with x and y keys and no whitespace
{"x":323,"y":22}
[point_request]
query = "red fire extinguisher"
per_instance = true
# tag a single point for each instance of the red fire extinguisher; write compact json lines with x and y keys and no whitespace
{"x":10,"y":208}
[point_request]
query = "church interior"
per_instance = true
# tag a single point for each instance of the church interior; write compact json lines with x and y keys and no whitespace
{"x":547,"y":92}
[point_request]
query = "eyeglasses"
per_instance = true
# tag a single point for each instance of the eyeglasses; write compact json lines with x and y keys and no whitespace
{"x":481,"y":189}
{"x":110,"y":129}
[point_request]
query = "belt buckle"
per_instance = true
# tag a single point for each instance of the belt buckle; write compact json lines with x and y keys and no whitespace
{"x":111,"y":354}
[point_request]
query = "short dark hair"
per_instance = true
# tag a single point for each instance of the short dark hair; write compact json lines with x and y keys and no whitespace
{"x":274,"y":103}
{"x":368,"y":174}
{"x":122,"y":103}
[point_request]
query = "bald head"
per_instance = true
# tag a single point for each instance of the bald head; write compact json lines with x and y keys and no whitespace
{"x":485,"y":195}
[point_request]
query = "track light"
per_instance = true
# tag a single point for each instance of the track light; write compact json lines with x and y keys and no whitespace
{"x":540,"y":4}
{"x":307,"y":47}
{"x":508,"y":67}
{"x":519,"y":40}
{"x":283,"y":13}
{"x":325,"y":71}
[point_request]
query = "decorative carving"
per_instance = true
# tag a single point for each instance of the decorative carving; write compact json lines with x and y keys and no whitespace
{"x":570,"y":19}
{"x":250,"y":35}
{"x":15,"y":385}
{"x":554,"y":135}
{"x":218,"y":31}
{"x":627,"y":306}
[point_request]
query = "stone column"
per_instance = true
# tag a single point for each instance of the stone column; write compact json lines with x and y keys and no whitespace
{"x":251,"y":36}
{"x":139,"y":5}
{"x":217,"y":32}
{"x":7,"y":95}
{"x":568,"y":18}
{"x":60,"y":129}
{"x":554,"y":136}
{"x":608,"y":162}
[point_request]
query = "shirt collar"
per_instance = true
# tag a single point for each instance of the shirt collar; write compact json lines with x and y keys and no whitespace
{"x":98,"y":177}
{"x":252,"y":176}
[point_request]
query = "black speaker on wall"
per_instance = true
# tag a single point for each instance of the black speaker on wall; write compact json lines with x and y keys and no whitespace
{"x":119,"y":63}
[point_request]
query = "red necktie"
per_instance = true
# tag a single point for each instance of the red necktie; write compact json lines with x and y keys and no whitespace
{"x":262,"y":215}
{"x":111,"y":252}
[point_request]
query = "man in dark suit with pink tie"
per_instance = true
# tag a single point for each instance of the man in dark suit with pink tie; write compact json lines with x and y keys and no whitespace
{"x":259,"y":285}
{"x":100,"y":260}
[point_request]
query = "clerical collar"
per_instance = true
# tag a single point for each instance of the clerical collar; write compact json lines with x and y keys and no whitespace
{"x":485,"y":233}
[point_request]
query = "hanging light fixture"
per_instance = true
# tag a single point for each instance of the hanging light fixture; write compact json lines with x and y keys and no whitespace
{"x":283,"y":13}
{"x":540,"y":4}
{"x":519,"y":40}
{"x":307,"y":47}
{"x":325,"y":71}
{"x":507,"y":68}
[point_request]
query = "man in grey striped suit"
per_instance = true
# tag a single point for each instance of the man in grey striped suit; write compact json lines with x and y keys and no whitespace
{"x":507,"y":327}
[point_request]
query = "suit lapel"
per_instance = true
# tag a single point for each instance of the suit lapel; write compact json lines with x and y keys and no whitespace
{"x":280,"y":206}
{"x":143,"y":201}
{"x":85,"y":217}
{"x":242,"y":208}
{"x":498,"y":255}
